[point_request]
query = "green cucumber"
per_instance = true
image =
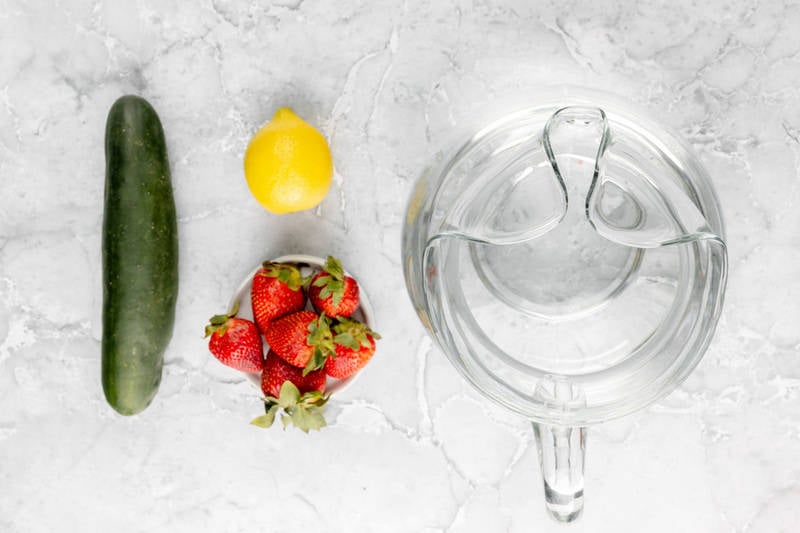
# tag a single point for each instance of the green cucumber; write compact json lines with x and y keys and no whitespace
{"x":140,"y":256}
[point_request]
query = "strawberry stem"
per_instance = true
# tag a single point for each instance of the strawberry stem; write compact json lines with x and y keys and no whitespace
{"x":287,"y":273}
{"x":219,"y":323}
{"x":334,"y":267}
{"x":331,"y":280}
{"x":352,"y":333}
{"x":320,"y":338}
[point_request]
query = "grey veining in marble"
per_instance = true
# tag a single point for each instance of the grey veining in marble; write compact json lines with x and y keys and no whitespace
{"x":410,"y":448}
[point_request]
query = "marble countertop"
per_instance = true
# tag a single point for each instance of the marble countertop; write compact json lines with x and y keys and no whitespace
{"x":410,"y":447}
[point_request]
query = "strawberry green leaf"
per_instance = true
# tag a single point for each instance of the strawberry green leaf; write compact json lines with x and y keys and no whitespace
{"x":210,"y":329}
{"x":330,"y":287}
{"x":334,"y":267}
{"x":319,"y":329}
{"x":290,"y":394}
{"x":218,"y":320}
{"x":263,"y":421}
{"x":316,"y":362}
{"x":337,"y":291}
{"x":307,"y":419}
{"x":321,"y":338}
{"x":347,"y":339}
{"x":313,"y":398}
{"x":331,"y":281}
{"x":349,"y":330}
{"x":219,"y":323}
{"x":286,"y":273}
{"x":266,"y":420}
{"x":304,"y":412}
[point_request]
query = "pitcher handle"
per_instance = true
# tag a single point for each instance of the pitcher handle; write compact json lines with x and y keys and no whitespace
{"x":562,"y":449}
{"x":561,"y":456}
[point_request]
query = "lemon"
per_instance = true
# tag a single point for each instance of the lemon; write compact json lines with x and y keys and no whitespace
{"x":288,"y":164}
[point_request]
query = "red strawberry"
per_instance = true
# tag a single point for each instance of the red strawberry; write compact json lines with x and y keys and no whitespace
{"x":302,"y":339}
{"x":277,"y":291}
{"x":333,"y":293}
{"x":294,"y":394}
{"x":354,"y":346}
{"x":235,"y":342}
{"x":304,"y":410}
{"x":277,"y":371}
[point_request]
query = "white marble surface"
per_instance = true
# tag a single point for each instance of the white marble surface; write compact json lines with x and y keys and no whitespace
{"x":409,"y":448}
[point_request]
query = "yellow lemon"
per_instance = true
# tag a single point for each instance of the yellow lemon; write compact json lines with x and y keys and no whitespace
{"x":288,"y":164}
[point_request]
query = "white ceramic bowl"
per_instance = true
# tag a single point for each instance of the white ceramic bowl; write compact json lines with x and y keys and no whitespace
{"x":308,"y":265}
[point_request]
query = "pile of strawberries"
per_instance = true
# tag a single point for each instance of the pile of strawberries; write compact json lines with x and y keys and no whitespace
{"x":305,"y":346}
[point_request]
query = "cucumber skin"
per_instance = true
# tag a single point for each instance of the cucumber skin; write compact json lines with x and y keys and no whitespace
{"x":140,"y":256}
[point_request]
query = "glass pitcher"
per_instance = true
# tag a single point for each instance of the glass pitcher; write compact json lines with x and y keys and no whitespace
{"x":569,"y":260}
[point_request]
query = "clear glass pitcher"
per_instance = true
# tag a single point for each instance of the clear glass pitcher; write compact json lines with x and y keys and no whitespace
{"x":569,"y":260}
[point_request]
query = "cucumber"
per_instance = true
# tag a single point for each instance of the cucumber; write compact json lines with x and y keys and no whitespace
{"x":140,"y":256}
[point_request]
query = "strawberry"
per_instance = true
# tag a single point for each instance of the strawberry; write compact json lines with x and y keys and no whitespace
{"x":354,"y":347}
{"x":332,"y":292}
{"x":235,"y":341}
{"x":276,"y":371}
{"x":296,"y":396}
{"x":277,"y":291}
{"x":302,"y":339}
